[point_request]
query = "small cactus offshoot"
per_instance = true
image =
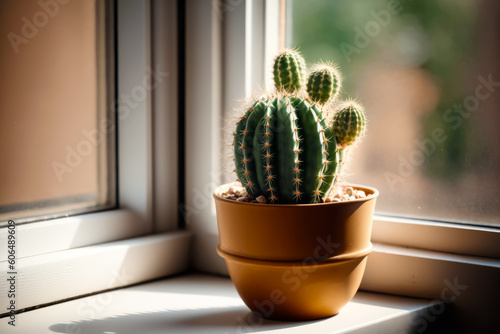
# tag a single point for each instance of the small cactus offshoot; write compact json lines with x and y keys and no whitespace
{"x":349,"y":123}
{"x":289,"y":71}
{"x":323,"y":83}
{"x":283,"y":147}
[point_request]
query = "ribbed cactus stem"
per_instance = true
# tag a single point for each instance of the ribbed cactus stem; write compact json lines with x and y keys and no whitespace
{"x":293,"y":156}
{"x":297,"y":168}
{"x":323,"y":83}
{"x":265,"y":153}
{"x":318,"y":151}
{"x":349,"y":123}
{"x":289,"y":71}
{"x":330,"y":156}
{"x":287,"y":140}
{"x":243,"y":148}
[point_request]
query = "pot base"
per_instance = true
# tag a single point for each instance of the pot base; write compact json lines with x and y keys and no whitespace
{"x":304,"y":290}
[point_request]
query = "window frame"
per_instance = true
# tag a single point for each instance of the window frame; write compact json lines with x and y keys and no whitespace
{"x":446,"y":237}
{"x":217,"y":29}
{"x":145,"y":221}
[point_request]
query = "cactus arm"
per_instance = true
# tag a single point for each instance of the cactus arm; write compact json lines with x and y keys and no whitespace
{"x":332,"y":168}
{"x":323,"y":83}
{"x":312,"y":148}
{"x":287,"y":148}
{"x":341,"y":155}
{"x":349,"y":123}
{"x":330,"y":156}
{"x":265,"y":156}
{"x":289,"y":71}
{"x":319,"y":87}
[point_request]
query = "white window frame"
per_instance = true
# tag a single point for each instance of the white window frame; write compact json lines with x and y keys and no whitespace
{"x":139,"y":240}
{"x":411,"y":257}
{"x":246,"y":35}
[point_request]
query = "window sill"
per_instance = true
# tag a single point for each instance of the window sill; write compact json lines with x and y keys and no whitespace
{"x":56,"y":276}
{"x":200,"y":303}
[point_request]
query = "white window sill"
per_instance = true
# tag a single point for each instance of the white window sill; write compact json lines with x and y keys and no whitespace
{"x":55,"y":276}
{"x":208,"y":304}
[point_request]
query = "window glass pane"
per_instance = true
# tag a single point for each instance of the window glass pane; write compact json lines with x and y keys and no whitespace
{"x":56,"y":126}
{"x":428,"y":73}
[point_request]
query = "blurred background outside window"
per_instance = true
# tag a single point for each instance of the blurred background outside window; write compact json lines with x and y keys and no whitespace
{"x":428,"y":73}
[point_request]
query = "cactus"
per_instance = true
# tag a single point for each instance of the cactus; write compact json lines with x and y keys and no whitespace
{"x":289,"y":71}
{"x":283,"y":146}
{"x":323,"y":83}
{"x":349,"y":123}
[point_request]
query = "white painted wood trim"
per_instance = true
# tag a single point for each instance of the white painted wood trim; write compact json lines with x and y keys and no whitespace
{"x":437,"y":236}
{"x":165,"y":115}
{"x":136,"y":79}
{"x":203,"y":110}
{"x":72,"y":232}
{"x":56,"y":276}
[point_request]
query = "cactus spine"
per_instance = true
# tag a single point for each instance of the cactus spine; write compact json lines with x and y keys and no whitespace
{"x":283,"y":146}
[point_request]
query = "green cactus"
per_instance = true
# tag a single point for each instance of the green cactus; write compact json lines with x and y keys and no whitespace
{"x":283,"y":146}
{"x":349,"y":123}
{"x":289,"y":71}
{"x":285,"y":151}
{"x":323,"y":83}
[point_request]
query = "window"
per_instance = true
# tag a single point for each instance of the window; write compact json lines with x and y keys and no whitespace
{"x":145,"y":107}
{"x":239,"y":43}
{"x":57,"y":126}
{"x":428,"y":75}
{"x":229,"y":49}
{"x":412,"y":256}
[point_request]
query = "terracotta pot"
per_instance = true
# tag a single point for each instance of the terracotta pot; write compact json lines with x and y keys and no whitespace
{"x":303,"y":261}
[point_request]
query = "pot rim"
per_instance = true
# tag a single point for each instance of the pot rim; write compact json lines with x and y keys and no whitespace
{"x":374,"y":194}
{"x":304,"y":263}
